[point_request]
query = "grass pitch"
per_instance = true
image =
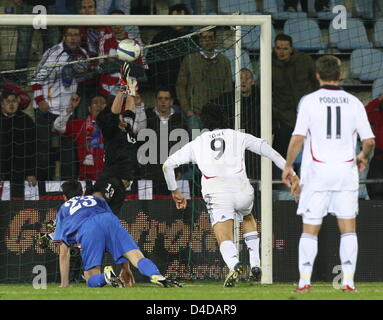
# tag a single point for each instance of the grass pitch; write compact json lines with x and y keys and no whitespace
{"x":191,"y":291}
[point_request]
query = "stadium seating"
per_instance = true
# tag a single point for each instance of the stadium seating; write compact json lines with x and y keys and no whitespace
{"x":353,"y":37}
{"x":377,"y":88}
{"x":364,"y":8}
{"x":367,"y":64}
{"x":378,"y":33}
{"x":275,"y":8}
{"x":243,"y":6}
{"x":306,"y":34}
{"x":330,"y":15}
{"x":245,"y":58}
{"x":252,"y":37}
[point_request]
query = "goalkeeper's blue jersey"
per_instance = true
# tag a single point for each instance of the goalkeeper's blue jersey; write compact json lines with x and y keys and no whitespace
{"x":73,"y":213}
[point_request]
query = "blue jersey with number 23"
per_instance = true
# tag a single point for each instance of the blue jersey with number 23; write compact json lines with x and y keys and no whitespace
{"x":73,"y":213}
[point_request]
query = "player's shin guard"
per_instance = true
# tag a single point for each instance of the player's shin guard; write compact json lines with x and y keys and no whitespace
{"x":97,"y":280}
{"x":308,"y":249}
{"x":252,"y":242}
{"x":348,"y":255}
{"x":147,"y":267}
{"x":229,"y":253}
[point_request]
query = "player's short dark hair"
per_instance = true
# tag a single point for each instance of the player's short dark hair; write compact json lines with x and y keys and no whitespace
{"x":329,"y":68}
{"x":213,"y":117}
{"x":178,"y":8}
{"x":72,"y":188}
{"x":284,"y":37}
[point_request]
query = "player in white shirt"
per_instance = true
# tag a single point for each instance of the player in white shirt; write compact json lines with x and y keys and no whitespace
{"x":328,"y":123}
{"x":219,"y":154}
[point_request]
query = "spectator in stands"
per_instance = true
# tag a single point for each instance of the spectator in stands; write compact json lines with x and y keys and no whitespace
{"x":203,"y":76}
{"x":50,"y":35}
{"x":91,"y":42}
{"x":163,"y":120}
{"x":53,"y":89}
{"x":165,"y":72}
{"x":293,"y":77}
{"x":17,"y":145}
{"x":375,"y":116}
{"x":24,"y":98}
{"x":90,"y":36}
{"x":109,"y":79}
{"x":292,"y":5}
{"x":104,"y":6}
{"x":249,"y":114}
{"x":86,"y":135}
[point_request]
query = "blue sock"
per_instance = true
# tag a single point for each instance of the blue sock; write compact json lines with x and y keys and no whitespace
{"x":147,"y":267}
{"x":97,"y":280}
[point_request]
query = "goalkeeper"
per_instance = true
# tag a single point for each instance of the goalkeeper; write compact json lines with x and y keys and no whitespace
{"x":119,"y":127}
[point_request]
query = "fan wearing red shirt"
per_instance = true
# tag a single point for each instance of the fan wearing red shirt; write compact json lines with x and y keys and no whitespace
{"x":87,"y":136}
{"x":375,"y":116}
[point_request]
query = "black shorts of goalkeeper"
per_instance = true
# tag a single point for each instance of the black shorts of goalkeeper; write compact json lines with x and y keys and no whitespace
{"x":113,"y":188}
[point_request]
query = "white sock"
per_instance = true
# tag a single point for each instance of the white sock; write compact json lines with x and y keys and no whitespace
{"x":308,"y":249}
{"x":229,"y":253}
{"x":348,"y":252}
{"x":252,"y":242}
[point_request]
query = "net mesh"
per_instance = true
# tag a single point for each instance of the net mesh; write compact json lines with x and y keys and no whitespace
{"x":182,"y":245}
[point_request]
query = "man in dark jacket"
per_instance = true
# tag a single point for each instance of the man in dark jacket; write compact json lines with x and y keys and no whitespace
{"x":17,"y":145}
{"x":293,"y":77}
{"x":163,"y":121}
{"x":163,"y":69}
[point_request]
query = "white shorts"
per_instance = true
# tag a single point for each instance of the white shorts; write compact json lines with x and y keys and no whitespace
{"x":315,"y":205}
{"x":225,"y":206}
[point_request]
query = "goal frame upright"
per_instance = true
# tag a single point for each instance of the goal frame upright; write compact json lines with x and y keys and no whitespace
{"x":265,"y":23}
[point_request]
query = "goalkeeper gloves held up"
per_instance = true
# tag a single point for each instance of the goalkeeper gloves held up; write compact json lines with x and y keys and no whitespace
{"x":128,"y":84}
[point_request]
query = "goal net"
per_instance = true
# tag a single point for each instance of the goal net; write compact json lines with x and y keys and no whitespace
{"x":43,"y":85}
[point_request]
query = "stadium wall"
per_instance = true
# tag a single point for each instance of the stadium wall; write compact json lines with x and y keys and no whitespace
{"x":181,"y":243}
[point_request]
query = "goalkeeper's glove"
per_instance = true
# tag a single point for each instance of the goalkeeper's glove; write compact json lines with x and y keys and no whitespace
{"x":43,"y":240}
{"x":128,"y":84}
{"x":124,"y":74}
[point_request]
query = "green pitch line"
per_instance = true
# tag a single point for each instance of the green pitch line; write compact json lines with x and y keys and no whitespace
{"x":191,"y":291}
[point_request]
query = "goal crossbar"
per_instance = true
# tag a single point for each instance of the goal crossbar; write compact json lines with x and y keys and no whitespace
{"x":264,"y":21}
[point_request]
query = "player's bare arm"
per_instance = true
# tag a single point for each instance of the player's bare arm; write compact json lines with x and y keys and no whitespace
{"x":368,"y":147}
{"x":295,"y":147}
{"x":64,"y":265}
{"x":118,"y":103}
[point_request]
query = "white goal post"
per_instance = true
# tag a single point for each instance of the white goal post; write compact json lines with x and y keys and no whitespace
{"x":264,"y":21}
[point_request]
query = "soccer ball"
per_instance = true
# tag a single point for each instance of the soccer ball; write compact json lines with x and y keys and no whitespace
{"x":128,"y":50}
